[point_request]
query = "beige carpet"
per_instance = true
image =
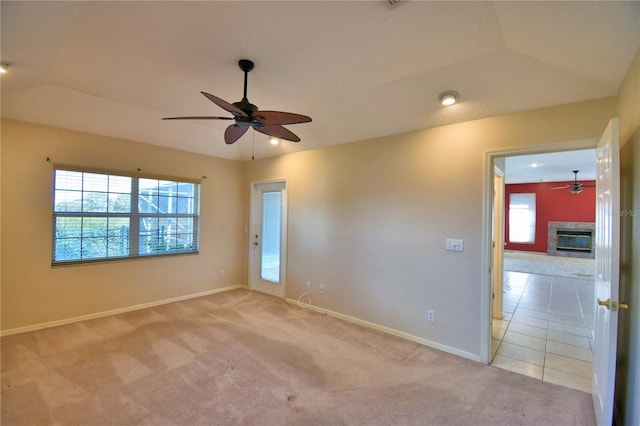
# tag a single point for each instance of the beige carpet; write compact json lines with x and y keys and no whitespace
{"x":245,"y":358}
{"x":543,"y":264}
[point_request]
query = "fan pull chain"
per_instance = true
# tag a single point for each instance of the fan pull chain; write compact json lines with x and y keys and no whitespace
{"x":253,"y":143}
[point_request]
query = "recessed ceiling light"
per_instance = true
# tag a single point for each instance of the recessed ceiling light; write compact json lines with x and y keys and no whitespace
{"x":448,"y":98}
{"x":534,"y":165}
{"x":4,"y":67}
{"x":274,"y":141}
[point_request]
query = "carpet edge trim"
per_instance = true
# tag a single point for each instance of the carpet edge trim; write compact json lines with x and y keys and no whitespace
{"x":56,"y":323}
{"x":393,"y":332}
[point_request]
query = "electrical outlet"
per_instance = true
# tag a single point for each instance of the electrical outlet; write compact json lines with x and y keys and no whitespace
{"x":321,"y":288}
{"x":431,"y":316}
{"x":308,"y":285}
{"x":221,"y":273}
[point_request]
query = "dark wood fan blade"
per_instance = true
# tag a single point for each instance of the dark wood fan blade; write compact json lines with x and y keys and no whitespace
{"x":225,"y":105}
{"x":277,"y":131}
{"x":197,"y":117}
{"x":279,"y":117}
{"x":234,"y":132}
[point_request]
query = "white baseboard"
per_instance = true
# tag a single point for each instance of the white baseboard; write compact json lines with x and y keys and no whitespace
{"x":66,"y":321}
{"x":334,"y":314}
{"x":393,"y":332}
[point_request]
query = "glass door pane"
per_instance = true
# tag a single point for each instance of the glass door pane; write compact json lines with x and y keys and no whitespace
{"x":271,"y":223}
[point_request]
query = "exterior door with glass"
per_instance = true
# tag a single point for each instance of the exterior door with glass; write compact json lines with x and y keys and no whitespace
{"x":268,"y":240}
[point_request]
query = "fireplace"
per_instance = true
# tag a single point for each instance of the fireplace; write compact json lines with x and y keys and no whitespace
{"x":571,"y":239}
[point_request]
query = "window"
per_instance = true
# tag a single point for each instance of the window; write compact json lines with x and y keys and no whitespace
{"x":271,"y":231}
{"x":99,"y":216}
{"x":522,"y":218}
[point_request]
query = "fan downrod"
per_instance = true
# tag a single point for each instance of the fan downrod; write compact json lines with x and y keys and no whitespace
{"x":246,"y":65}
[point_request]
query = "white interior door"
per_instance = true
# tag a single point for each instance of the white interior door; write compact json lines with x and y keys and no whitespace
{"x":607,"y":272}
{"x":268,"y":244}
{"x":498,"y":242}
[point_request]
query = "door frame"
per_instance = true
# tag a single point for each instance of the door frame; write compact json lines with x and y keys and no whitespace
{"x":486,"y":276}
{"x":497,"y":261}
{"x":253,"y":221}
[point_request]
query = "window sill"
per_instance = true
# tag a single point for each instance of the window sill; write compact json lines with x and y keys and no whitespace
{"x":121,"y":259}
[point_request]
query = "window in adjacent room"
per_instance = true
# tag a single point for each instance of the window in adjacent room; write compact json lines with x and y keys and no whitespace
{"x":99,"y":216}
{"x":522,"y":218}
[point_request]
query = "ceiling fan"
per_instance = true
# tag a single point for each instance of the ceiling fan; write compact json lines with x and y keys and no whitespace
{"x":247,"y":115}
{"x":574,"y":187}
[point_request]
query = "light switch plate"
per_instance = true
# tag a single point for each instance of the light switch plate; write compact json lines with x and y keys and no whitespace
{"x":455,"y":245}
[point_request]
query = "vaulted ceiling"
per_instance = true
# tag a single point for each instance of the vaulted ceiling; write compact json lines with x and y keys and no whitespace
{"x":360,"y":69}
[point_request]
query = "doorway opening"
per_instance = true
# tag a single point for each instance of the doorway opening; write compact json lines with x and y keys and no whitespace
{"x":542,"y":302}
{"x":605,"y":302}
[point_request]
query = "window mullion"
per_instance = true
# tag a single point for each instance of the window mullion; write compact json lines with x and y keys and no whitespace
{"x":196,"y":218}
{"x":134,"y":226}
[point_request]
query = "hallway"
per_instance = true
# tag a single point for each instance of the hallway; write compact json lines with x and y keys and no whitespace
{"x":546,"y":331}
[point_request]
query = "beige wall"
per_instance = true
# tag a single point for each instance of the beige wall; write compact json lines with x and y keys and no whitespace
{"x":33,"y":292}
{"x":369,"y":219}
{"x":629,"y":103}
{"x":628,"y":369}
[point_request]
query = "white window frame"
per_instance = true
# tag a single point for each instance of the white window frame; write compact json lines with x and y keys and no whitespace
{"x":135,"y":217}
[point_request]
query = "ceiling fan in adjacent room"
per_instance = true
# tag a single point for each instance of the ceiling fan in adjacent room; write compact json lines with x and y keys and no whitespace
{"x":574,"y":187}
{"x":247,"y":115}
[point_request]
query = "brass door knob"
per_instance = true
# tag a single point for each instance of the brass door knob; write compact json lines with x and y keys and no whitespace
{"x":613,"y":306}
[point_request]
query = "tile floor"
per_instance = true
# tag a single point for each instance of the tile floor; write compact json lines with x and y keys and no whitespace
{"x":546,"y":330}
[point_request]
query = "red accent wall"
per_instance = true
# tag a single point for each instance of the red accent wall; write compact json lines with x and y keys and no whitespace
{"x":551,"y":206}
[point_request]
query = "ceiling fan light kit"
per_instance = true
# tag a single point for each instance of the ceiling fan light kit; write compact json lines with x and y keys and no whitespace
{"x":248,"y":115}
{"x":574,"y":187}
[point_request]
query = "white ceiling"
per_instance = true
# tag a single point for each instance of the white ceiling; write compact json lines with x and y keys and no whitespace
{"x":551,"y":167}
{"x":360,"y":69}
